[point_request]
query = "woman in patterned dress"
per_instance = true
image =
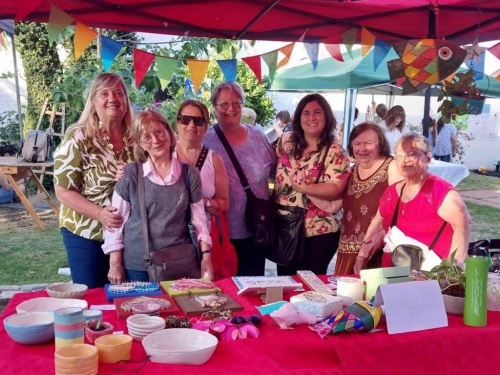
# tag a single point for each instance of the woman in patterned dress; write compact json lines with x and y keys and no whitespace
{"x":86,"y":165}
{"x":372,"y":173}
{"x":300,"y":155}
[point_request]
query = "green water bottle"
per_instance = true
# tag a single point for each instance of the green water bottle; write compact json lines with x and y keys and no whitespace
{"x":476,"y":278}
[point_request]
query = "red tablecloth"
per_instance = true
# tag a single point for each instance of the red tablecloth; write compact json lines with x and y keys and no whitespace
{"x":451,"y":350}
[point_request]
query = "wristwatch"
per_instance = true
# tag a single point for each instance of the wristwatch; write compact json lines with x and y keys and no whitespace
{"x":207,"y":205}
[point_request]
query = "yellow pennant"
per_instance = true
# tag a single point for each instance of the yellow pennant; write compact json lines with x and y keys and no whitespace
{"x":197,"y":70}
{"x":84,"y":35}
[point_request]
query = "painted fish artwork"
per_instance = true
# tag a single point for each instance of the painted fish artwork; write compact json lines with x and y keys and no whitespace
{"x":424,"y":62}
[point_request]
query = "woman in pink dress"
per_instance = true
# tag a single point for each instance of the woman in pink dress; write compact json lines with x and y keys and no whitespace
{"x":427,"y":201}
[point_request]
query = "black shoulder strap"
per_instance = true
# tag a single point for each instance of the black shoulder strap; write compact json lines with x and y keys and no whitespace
{"x":202,"y":157}
{"x":187,"y":182}
{"x":232,"y":156}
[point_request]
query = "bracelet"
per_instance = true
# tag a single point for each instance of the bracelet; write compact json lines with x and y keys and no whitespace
{"x":206,"y":252}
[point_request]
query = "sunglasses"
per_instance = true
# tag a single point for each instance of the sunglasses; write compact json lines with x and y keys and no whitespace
{"x":186,"y":120}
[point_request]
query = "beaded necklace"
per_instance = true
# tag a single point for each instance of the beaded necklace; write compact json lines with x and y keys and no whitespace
{"x":109,"y":146}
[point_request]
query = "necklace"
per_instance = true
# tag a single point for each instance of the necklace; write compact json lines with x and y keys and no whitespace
{"x":109,"y":146}
{"x":185,"y":157}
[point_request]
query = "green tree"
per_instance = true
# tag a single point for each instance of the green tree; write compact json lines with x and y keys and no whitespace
{"x":41,"y":67}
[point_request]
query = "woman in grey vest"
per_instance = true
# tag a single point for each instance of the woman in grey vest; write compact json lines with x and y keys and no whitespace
{"x":166,"y":200}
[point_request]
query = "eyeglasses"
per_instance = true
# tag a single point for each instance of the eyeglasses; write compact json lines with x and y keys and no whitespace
{"x":411,"y":156}
{"x":225,"y":106}
{"x":186,"y":120}
{"x":159,"y":134}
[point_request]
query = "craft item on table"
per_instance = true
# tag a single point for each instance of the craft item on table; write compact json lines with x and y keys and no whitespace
{"x":332,"y":280}
{"x":424,"y":62}
{"x":270,"y":307}
{"x":174,"y":321}
{"x":131,"y":289}
{"x":350,"y":289}
{"x":229,"y":330}
{"x":211,"y":300}
{"x":313,"y":282}
{"x":124,"y":305}
{"x":289,"y":314}
{"x":259,"y":284}
{"x":217,"y":314}
{"x":190,"y":304}
{"x":361,"y":316}
{"x":184,"y":287}
{"x":375,"y":277}
{"x":319,"y":304}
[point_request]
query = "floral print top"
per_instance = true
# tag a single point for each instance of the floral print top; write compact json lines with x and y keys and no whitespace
{"x":88,"y":167}
{"x":336,"y":167}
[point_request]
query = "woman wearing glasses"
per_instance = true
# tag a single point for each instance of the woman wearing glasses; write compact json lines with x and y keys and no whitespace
{"x":166,"y":200}
{"x":257,"y":159}
{"x":192,"y":123}
{"x":426,"y":202}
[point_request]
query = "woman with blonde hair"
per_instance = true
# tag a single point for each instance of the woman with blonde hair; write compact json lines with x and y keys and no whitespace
{"x":166,"y":198}
{"x":85,"y":168}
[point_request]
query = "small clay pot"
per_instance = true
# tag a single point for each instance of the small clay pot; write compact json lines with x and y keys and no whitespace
{"x":95,"y":329}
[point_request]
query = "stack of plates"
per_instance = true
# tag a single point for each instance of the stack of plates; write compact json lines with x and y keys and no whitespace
{"x":141,"y":325}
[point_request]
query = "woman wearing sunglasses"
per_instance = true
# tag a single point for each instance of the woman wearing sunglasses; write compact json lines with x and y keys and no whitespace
{"x":192,"y":123}
{"x":257,"y":159}
{"x":166,"y":199}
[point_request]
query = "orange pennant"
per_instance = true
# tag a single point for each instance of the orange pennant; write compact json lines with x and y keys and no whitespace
{"x":367,"y":41}
{"x":197,"y":70}
{"x":84,"y":35}
{"x":287,"y":51}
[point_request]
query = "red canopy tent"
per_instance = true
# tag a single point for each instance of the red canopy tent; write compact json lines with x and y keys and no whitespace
{"x":283,"y":20}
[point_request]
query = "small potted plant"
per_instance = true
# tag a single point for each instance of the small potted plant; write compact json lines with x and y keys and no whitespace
{"x":94,"y":329}
{"x":460,"y":96}
{"x":451,"y":279}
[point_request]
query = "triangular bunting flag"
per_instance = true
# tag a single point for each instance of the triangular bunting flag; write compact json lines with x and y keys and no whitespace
{"x":379,"y":53}
{"x":477,"y":64}
{"x":3,"y":40}
{"x":495,"y":50}
{"x":84,"y":35}
{"x":142,"y":62}
{"x":27,"y":8}
{"x":110,"y":49}
{"x":302,"y":37}
{"x":58,"y":21}
{"x":367,"y":41}
{"x":287,"y":51}
{"x":349,"y":38}
{"x":334,"y":51}
{"x":254,"y":64}
{"x":228,"y":68}
{"x":166,"y":67}
{"x":197,"y":70}
{"x":312,"y":51}
{"x":400,"y":81}
{"x":271,"y":60}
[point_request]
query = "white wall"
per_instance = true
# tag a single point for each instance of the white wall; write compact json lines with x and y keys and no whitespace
{"x":7,"y":85}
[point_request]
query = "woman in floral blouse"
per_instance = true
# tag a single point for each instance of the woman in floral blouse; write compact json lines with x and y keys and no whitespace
{"x":300,"y":155}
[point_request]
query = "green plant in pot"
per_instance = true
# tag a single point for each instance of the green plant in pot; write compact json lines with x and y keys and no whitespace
{"x":460,"y":96}
{"x":451,"y":279}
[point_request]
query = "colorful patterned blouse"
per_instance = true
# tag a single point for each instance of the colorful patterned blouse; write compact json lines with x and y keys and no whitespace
{"x":336,"y":164}
{"x":86,"y":166}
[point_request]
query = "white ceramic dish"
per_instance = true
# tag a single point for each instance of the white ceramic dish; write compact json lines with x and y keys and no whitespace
{"x":49,"y":304}
{"x":67,"y":290}
{"x":180,"y":346}
{"x":92,"y":315}
{"x":145,"y":322}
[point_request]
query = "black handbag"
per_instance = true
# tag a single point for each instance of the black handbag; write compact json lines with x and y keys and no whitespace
{"x":259,"y":213}
{"x":172,"y":262}
{"x":406,"y":254}
{"x":290,"y":231}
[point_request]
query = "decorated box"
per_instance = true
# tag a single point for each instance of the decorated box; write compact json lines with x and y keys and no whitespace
{"x":319,"y":304}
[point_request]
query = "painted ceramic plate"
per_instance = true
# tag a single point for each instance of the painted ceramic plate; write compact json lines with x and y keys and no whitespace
{"x":49,"y":304}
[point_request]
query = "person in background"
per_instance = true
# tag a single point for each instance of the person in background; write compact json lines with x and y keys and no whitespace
{"x":248,"y":116}
{"x":166,"y":199}
{"x":258,"y":161}
{"x":86,"y":166}
{"x":284,"y":121}
{"x":300,"y":155}
{"x":340,"y":134}
{"x":394,"y":124}
{"x":432,"y":133}
{"x":426,"y":202}
{"x":192,"y":124}
{"x":446,"y":144}
{"x":381,"y":111}
{"x":7,"y":192}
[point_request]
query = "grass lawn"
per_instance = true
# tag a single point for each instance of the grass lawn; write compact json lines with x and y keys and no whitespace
{"x":477,"y":182}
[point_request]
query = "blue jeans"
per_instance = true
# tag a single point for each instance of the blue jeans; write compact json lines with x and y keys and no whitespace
{"x":132,"y":275}
{"x":446,"y":158}
{"x":7,"y":196}
{"x":88,"y":264}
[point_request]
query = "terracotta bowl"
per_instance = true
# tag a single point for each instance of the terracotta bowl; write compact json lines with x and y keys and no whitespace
{"x":91,"y":334}
{"x":114,"y":348}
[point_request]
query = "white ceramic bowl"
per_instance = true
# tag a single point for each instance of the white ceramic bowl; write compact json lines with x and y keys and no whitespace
{"x":67,"y":290}
{"x":49,"y":304}
{"x":30,"y":328}
{"x":92,"y":315}
{"x":180,"y":345}
{"x":145,"y":322}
